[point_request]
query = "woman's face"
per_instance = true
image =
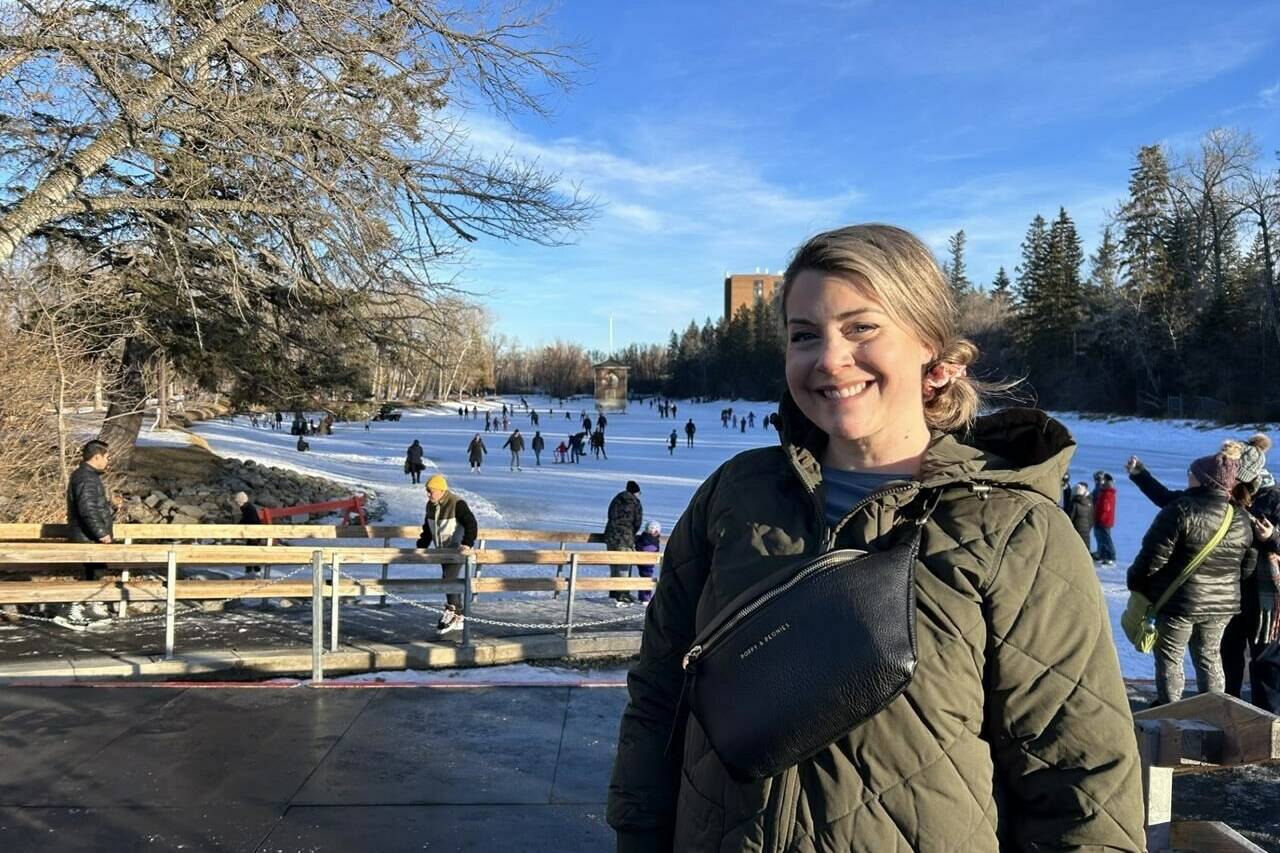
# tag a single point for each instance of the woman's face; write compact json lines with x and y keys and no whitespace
{"x":852,"y":369}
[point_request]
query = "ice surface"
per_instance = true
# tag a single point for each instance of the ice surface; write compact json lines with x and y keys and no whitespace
{"x":575,"y":497}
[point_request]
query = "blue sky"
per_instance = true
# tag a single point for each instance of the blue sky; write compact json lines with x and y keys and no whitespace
{"x":717,"y":136}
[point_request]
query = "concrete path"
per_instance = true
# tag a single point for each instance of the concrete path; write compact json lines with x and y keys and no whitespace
{"x":303,"y":769}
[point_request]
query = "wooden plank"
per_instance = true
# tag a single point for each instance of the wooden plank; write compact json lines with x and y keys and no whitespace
{"x":168,"y":532}
{"x":1250,"y":735}
{"x":1209,"y":836}
{"x":1194,"y":741}
{"x":1157,"y":786}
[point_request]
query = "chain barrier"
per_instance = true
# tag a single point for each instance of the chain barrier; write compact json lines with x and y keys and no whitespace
{"x":639,"y":614}
{"x":183,"y":610}
{"x":190,"y":610}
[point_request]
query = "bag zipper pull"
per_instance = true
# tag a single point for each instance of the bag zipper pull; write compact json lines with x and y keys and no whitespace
{"x":690,"y":657}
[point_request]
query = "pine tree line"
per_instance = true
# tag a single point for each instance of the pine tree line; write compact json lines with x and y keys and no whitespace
{"x":1178,"y":312}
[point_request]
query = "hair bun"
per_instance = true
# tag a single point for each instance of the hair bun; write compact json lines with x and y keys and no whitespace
{"x":960,"y":351}
{"x":1260,"y":441}
{"x":1232,"y":449}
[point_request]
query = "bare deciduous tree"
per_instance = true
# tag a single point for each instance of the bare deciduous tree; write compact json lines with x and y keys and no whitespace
{"x":260,"y":172}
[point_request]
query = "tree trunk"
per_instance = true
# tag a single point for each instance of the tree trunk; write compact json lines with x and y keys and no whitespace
{"x":46,"y":201}
{"x":98,"y":404}
{"x":128,"y":398}
{"x":162,"y":395}
{"x":1269,"y":276}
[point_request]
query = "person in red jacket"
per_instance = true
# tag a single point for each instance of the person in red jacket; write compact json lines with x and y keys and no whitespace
{"x":1104,"y":516}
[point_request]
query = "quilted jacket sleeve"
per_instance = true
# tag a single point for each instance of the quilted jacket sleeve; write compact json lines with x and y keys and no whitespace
{"x":1157,"y":546}
{"x":646,"y":777}
{"x":1057,"y":715}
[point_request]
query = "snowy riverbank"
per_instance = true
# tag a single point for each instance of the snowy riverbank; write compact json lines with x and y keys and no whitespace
{"x":575,"y":497}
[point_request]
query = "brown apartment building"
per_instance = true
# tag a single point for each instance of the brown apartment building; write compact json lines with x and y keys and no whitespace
{"x":745,"y":288}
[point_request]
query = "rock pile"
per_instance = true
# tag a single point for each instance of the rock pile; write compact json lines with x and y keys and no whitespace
{"x":157,"y":500}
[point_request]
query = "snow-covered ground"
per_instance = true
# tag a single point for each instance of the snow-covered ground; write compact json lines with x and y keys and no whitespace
{"x":575,"y":497}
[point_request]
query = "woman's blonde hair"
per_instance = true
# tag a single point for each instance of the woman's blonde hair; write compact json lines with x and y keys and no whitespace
{"x":901,"y":273}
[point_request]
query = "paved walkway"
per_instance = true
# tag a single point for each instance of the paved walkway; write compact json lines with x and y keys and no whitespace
{"x":303,"y":769}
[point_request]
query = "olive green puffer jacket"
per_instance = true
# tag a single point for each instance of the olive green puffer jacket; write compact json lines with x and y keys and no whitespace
{"x":1014,"y":734}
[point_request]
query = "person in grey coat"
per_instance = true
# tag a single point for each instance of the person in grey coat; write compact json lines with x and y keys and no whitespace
{"x":1081,"y":511}
{"x":515,"y":443}
{"x":626,"y":517}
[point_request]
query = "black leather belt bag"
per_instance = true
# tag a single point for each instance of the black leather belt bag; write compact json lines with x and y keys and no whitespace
{"x":792,"y":665}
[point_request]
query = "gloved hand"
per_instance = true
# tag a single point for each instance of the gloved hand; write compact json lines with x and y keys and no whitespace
{"x":1133,"y":465}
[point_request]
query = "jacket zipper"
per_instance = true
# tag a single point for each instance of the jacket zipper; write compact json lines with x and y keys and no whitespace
{"x":834,"y":532}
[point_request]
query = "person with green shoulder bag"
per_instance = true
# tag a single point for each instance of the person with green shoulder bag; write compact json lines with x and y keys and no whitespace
{"x":1186,"y":578}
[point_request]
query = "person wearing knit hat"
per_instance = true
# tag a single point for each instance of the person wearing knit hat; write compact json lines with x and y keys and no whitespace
{"x":1251,"y":631}
{"x":1219,"y":471}
{"x":1197,"y":610}
{"x":448,"y":524}
{"x":1253,"y":457}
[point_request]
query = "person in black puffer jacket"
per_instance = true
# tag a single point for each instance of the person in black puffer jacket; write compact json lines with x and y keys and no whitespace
{"x":90,"y":513}
{"x":1199,"y":610}
{"x":1243,"y":640}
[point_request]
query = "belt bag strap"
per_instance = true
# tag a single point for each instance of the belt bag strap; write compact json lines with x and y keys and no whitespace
{"x":1196,"y":561}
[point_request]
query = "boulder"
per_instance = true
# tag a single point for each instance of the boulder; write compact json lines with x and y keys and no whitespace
{"x":191,"y":511}
{"x":155,"y":499}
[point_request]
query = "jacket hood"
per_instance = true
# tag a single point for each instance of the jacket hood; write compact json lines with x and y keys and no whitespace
{"x":1016,"y":448}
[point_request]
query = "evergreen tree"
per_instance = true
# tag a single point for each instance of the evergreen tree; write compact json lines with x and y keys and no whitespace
{"x":1104,"y":263}
{"x":1064,"y":293}
{"x":1031,"y":299}
{"x":1001,"y":286}
{"x":1144,"y":220}
{"x":955,"y":268}
{"x":1144,"y":263}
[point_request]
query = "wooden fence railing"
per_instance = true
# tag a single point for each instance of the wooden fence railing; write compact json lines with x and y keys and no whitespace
{"x":270,"y":534}
{"x":170,"y":589}
{"x":176,"y":532}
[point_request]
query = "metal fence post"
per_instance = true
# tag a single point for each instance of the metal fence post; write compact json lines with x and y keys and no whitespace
{"x":317,"y":616}
{"x":468,"y":569}
{"x":386,"y":570}
{"x":573,"y":585}
{"x":170,"y":599}
{"x":559,"y":574}
{"x":333,"y":619}
{"x":475,"y":596}
{"x":122,"y":609}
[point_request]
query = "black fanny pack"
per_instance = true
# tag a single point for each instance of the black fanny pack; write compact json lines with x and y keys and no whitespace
{"x":792,"y":665}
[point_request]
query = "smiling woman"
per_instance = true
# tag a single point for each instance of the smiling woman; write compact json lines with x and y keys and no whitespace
{"x":1012,"y":731}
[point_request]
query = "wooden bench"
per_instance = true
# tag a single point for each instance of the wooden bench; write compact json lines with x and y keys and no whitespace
{"x":1205,"y":732}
